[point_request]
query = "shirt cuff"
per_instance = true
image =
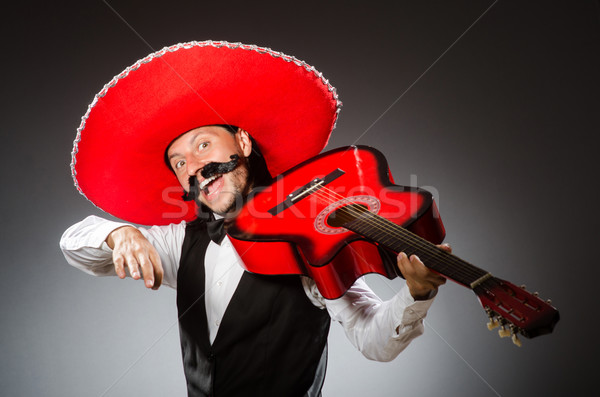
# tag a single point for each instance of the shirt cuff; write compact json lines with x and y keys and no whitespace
{"x":408,"y":311}
{"x":99,"y":239}
{"x":91,"y":232}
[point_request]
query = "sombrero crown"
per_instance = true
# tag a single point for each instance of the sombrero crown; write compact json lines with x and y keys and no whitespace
{"x":117,"y":162}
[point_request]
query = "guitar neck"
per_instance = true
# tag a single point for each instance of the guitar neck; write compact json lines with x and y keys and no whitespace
{"x":398,"y":239}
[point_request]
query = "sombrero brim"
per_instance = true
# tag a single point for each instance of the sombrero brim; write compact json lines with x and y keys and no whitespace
{"x":117,"y":161}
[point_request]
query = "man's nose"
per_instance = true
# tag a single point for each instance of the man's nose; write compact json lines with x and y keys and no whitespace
{"x":195,"y":166}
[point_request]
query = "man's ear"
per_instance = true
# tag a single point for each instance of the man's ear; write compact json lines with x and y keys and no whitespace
{"x":244,"y":142}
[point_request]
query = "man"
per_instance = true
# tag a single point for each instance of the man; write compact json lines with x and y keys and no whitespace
{"x":241,"y":333}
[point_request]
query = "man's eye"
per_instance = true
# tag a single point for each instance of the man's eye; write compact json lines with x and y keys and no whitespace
{"x":203,"y":145}
{"x":179,"y":164}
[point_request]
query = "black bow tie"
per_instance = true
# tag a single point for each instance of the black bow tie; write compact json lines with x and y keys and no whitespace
{"x":216,"y":230}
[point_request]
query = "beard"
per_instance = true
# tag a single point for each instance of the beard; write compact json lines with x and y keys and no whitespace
{"x":236,"y":172}
{"x":230,"y":201}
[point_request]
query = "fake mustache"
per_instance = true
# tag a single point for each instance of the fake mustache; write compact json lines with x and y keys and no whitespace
{"x":208,"y":171}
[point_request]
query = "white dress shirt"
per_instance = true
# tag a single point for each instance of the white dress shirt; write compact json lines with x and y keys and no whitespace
{"x":379,"y":329}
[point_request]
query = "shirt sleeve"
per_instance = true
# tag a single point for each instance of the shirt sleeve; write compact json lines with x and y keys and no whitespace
{"x":84,"y":246}
{"x":380,"y":330}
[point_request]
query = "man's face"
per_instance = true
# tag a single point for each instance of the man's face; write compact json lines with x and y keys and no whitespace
{"x":189,"y":153}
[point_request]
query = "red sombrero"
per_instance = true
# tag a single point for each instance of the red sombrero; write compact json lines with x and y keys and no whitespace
{"x":117,"y":160}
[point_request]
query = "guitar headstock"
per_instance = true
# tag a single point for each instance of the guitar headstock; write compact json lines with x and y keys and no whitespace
{"x":515,"y":310}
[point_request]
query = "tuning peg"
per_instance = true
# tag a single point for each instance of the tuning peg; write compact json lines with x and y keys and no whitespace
{"x":523,"y":286}
{"x":536,"y":294}
{"x":503,"y":332}
{"x":549,"y":301}
{"x":516,"y":340}
{"x":514,"y":337}
{"x":493,"y":323}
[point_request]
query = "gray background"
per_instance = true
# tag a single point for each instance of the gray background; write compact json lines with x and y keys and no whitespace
{"x":501,"y":125}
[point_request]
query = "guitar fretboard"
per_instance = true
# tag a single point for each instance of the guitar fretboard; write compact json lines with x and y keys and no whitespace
{"x":398,"y":239}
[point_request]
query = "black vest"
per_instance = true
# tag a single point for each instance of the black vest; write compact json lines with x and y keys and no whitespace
{"x":270,"y":340}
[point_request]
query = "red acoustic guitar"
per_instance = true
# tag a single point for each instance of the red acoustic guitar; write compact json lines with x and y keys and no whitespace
{"x":334,"y":218}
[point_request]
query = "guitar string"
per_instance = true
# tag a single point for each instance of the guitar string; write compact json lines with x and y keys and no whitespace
{"x":446,"y":263}
{"x":390,"y":228}
{"x":387,"y":226}
{"x":445,"y":259}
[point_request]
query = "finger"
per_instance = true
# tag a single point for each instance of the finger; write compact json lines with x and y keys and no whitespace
{"x":414,"y":259}
{"x":133,"y":267}
{"x":446,"y":247}
{"x":416,"y":267}
{"x":118,"y":261}
{"x":427,"y":275}
{"x":410,"y":267}
{"x":147,"y":270}
{"x":403,"y":262}
{"x":158,"y":269}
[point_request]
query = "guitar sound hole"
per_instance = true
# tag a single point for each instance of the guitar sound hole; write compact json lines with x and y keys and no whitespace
{"x":345,"y":214}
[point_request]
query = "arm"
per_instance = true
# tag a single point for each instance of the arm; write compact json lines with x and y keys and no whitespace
{"x":380,"y":330}
{"x":105,"y":248}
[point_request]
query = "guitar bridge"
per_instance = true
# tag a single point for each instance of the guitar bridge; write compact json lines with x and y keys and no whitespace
{"x":305,"y":191}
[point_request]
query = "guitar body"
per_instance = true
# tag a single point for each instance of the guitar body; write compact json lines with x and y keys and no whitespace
{"x":299,"y":235}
